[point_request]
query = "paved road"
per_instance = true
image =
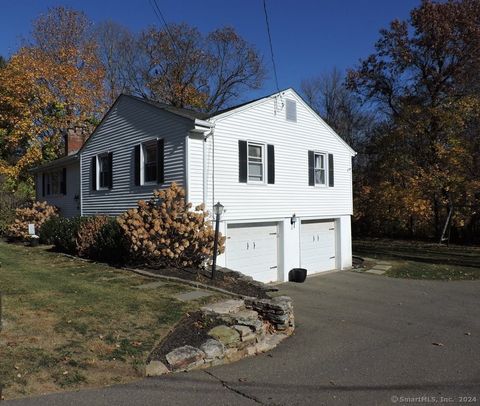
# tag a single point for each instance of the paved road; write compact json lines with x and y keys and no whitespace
{"x":361,"y":340}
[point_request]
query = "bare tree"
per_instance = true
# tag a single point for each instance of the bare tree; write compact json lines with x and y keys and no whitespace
{"x":185,"y":68}
{"x":118,"y":51}
{"x":340,"y":108}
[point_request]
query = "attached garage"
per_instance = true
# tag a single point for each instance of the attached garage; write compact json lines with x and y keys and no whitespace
{"x":317,"y":245}
{"x":253,"y":250}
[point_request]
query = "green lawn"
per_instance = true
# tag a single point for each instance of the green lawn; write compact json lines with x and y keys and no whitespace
{"x":422,"y":270}
{"x":421,"y":260}
{"x":69,"y":323}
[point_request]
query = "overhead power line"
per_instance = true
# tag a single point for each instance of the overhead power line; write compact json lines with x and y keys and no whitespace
{"x":162,"y":20}
{"x":271,"y":46}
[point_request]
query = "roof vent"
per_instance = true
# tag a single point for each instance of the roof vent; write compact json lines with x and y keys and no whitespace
{"x":291,"y":110}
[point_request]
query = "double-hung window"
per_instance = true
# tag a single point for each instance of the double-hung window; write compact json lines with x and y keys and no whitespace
{"x":54,"y":180}
{"x":320,"y":169}
{"x":104,"y":168}
{"x":150,"y":162}
{"x":256,"y":162}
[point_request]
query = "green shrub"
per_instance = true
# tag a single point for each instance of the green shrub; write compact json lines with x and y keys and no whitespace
{"x":111,"y":244}
{"x":62,"y":232}
{"x":99,"y":238}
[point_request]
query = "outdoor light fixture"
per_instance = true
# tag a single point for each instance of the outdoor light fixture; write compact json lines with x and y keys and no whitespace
{"x":293,"y":219}
{"x":217,"y":210}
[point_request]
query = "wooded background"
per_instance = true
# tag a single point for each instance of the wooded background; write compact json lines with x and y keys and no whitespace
{"x":410,"y":110}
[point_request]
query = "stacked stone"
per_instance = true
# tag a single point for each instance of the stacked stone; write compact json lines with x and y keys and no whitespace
{"x":278,"y":311}
{"x":246,"y":331}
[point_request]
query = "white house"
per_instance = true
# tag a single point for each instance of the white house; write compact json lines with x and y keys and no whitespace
{"x":283,"y":175}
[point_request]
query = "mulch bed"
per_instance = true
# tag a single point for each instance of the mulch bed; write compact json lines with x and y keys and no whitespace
{"x":191,"y":330}
{"x":229,"y":281}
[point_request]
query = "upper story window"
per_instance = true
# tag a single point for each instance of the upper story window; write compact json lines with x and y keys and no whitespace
{"x":104,"y":171}
{"x":149,"y":150}
{"x":256,"y":162}
{"x":291,"y":110}
{"x":320,"y":169}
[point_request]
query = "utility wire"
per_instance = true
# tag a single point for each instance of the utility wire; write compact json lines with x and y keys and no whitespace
{"x":271,"y":46}
{"x":161,"y":18}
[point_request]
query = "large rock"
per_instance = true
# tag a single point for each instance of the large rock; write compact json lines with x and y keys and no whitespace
{"x":246,"y":333}
{"x":212,"y":349}
{"x":185,"y":357}
{"x":269,"y":342}
{"x":156,"y":368}
{"x":223,"y":308}
{"x":226,"y":335}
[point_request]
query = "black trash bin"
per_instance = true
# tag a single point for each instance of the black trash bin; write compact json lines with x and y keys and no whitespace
{"x":297,"y":275}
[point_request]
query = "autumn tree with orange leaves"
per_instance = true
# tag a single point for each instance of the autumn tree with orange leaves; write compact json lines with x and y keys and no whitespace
{"x":53,"y":83}
{"x":424,"y":158}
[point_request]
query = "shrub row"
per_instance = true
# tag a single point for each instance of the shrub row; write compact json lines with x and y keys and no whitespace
{"x":99,"y":237}
{"x":163,"y":231}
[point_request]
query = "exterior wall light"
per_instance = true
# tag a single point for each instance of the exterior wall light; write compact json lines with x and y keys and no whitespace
{"x":293,"y":219}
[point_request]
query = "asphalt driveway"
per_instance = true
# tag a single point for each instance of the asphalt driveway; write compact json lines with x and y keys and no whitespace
{"x":361,"y":340}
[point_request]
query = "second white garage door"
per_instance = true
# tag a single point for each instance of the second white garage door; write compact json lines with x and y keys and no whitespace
{"x":252,"y":250}
{"x":317,"y":245}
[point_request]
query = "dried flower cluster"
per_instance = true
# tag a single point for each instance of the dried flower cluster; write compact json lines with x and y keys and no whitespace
{"x":37,"y":214}
{"x":87,"y":236}
{"x":164,"y":231}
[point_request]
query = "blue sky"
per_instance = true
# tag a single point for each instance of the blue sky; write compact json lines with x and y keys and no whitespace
{"x":309,"y":36}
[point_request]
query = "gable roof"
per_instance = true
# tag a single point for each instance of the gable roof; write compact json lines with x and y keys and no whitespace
{"x":182,"y":112}
{"x":192,"y":115}
{"x":243,"y":106}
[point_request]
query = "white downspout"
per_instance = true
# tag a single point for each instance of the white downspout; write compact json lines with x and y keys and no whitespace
{"x":205,"y":166}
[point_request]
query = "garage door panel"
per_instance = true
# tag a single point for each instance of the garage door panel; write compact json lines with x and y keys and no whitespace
{"x":252,"y":250}
{"x":317,"y":250}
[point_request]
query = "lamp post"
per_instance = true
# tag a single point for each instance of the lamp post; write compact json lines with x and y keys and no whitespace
{"x":217,"y":210}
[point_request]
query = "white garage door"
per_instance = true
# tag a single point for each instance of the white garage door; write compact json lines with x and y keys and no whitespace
{"x":252,"y":250}
{"x":317,"y":245}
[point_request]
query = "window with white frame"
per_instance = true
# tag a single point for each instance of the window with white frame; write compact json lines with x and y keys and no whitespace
{"x":320,"y":169}
{"x":149,"y":153}
{"x":104,"y":171}
{"x":256,"y":162}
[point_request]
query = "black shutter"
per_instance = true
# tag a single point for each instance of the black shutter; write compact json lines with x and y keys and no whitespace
{"x":43,"y":184}
{"x":110,"y":170}
{"x":331,"y":175}
{"x":94,"y":172}
{"x":63,"y":185}
{"x":271,"y":164}
{"x":311,"y":168}
{"x":160,"y":161}
{"x":137,"y":165}
{"x":242,"y":161}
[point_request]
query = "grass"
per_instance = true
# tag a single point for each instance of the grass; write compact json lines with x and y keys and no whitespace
{"x":69,"y":324}
{"x":421,"y":260}
{"x":422,"y":270}
{"x":418,"y":251}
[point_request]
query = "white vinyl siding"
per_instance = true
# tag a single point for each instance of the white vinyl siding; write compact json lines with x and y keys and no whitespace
{"x":130,"y":123}
{"x":264,"y":123}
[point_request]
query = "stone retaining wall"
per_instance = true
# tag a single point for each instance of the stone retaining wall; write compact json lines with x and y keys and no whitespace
{"x":246,"y":327}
